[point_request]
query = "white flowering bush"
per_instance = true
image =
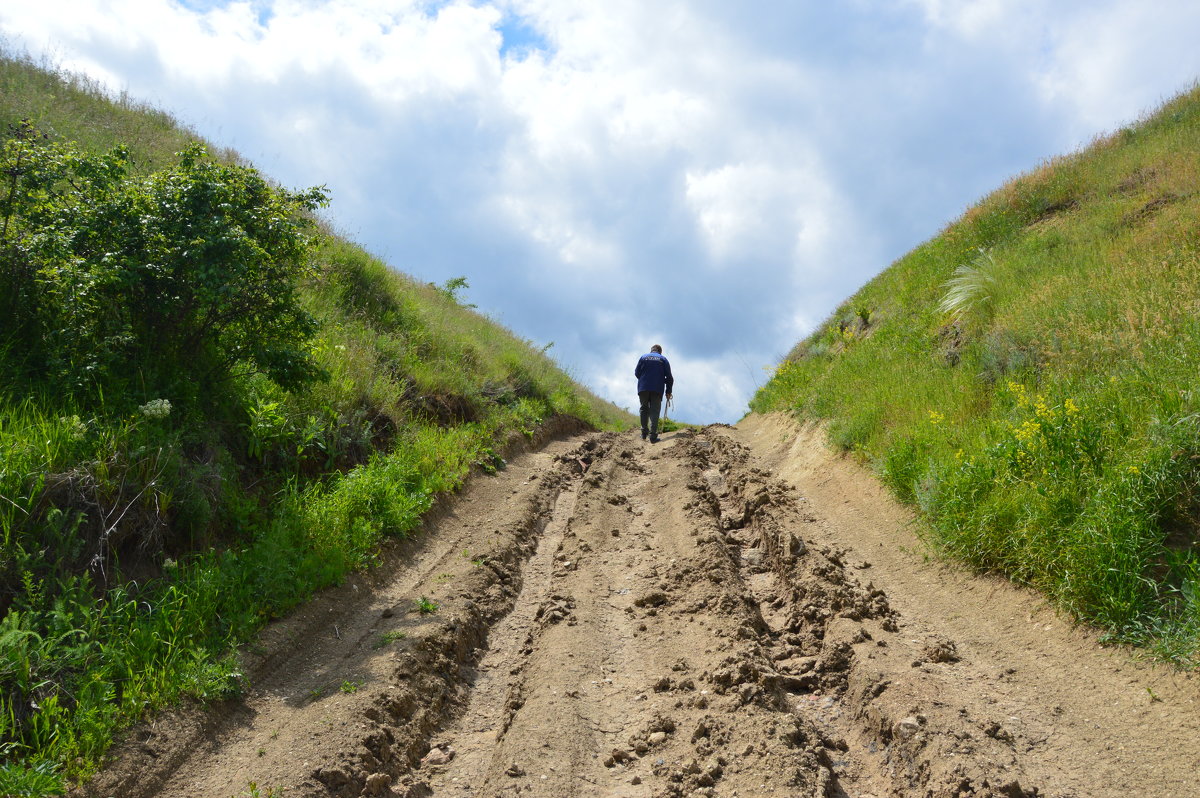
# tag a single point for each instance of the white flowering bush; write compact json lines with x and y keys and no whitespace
{"x":156,"y":408}
{"x":75,"y":426}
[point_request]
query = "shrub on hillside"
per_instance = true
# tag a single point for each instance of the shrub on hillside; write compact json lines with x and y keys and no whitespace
{"x":161,"y":283}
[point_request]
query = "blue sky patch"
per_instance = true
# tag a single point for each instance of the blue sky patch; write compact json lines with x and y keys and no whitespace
{"x":521,"y":38}
{"x":264,"y":9}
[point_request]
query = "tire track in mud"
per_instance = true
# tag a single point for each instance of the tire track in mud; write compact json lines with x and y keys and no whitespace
{"x":615,"y":619}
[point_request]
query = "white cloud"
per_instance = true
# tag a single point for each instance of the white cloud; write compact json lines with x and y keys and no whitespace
{"x":764,"y":210}
{"x":583,"y":252}
{"x":972,"y":18}
{"x":1103,"y":62}
{"x":395,"y":51}
{"x":1116,"y":61}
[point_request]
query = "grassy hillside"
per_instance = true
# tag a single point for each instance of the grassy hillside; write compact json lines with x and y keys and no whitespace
{"x":1029,"y":379}
{"x":209,"y":408}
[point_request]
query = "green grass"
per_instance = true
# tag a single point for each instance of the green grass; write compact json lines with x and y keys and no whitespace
{"x":140,"y":548}
{"x":1028,"y":380}
{"x":74,"y":107}
{"x":389,"y":637}
{"x":253,"y":791}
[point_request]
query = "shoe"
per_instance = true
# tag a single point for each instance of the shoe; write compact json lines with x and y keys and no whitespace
{"x":654,"y":439}
{"x":645,"y":434}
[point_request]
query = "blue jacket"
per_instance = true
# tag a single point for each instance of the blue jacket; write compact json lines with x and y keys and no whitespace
{"x":653,"y":371}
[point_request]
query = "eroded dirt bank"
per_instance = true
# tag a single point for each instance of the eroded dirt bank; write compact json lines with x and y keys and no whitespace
{"x":728,"y":613}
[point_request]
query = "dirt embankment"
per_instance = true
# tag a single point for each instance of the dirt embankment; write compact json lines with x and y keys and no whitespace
{"x":729,"y":613}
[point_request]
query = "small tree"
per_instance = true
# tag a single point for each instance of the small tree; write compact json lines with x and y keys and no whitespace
{"x":450,"y":289}
{"x":180,"y":278}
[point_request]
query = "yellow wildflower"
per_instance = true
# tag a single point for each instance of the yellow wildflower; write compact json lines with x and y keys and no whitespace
{"x":1018,"y":391}
{"x":1028,"y":430}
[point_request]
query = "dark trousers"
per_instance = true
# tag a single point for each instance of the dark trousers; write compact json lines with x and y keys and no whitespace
{"x":651,"y":405}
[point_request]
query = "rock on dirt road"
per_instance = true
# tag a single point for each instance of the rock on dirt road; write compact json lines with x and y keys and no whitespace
{"x":731,"y":612}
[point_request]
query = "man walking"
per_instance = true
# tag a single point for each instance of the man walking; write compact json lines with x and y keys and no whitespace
{"x":653,"y":374}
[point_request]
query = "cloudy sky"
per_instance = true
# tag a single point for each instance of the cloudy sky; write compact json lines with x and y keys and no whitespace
{"x":708,"y":175}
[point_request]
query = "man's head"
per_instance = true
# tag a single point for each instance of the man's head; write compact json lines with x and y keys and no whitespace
{"x":656,"y":348}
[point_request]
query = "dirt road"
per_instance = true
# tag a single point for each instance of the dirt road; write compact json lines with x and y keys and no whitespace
{"x":734,"y":612}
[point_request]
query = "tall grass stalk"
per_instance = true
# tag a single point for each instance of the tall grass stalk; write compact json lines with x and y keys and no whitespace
{"x":970,"y":292}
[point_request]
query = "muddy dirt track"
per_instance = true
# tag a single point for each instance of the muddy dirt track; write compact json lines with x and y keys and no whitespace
{"x":733,"y":612}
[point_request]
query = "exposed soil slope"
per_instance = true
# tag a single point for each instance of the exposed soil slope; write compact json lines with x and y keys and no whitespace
{"x":730,"y":613}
